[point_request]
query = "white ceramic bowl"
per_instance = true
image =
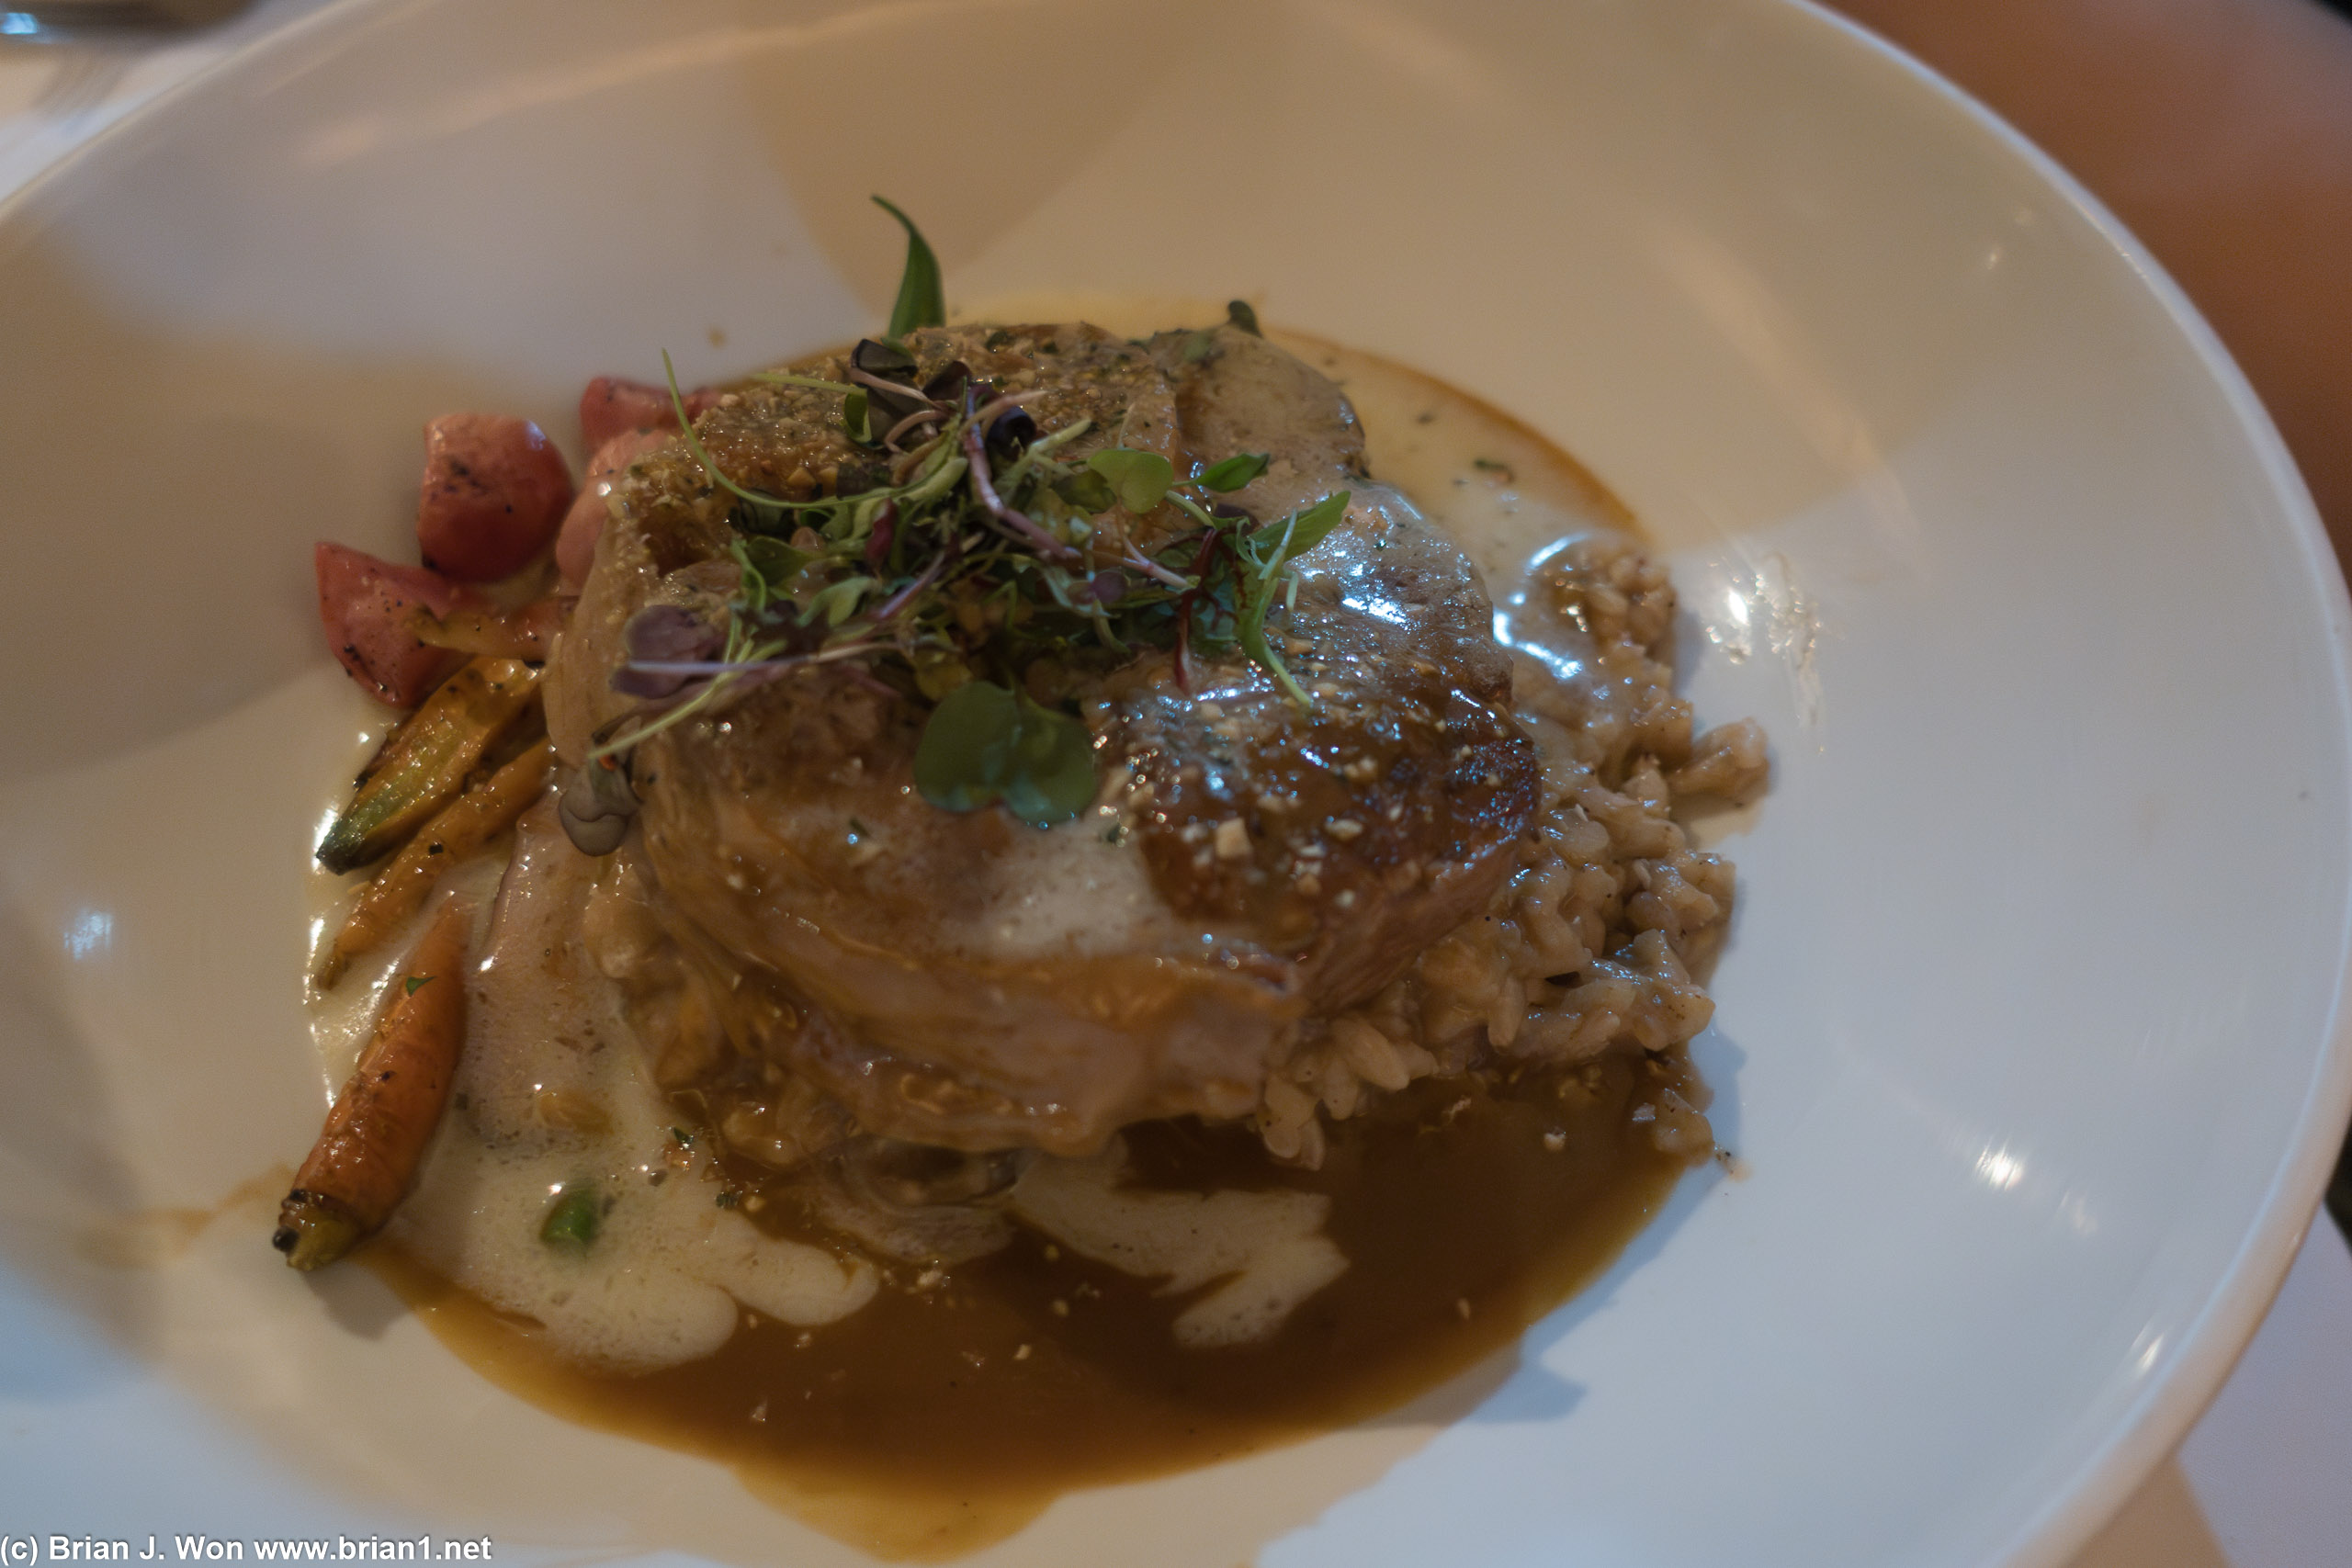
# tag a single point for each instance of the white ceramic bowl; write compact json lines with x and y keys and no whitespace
{"x":2029,"y":1028}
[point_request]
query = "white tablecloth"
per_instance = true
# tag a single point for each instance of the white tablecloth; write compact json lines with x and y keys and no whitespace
{"x":2263,"y":1481}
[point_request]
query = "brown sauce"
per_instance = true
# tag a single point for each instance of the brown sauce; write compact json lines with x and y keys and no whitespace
{"x":953,"y":1409}
{"x":917,"y":1428}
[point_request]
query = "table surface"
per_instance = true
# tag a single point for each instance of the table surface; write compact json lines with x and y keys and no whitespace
{"x":2261,"y":1479}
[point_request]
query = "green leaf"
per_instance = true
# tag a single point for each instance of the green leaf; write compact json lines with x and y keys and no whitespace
{"x":966,"y":750}
{"x":1087,"y":490}
{"x":416,"y":983}
{"x":1269,"y":550}
{"x":1238,"y":313}
{"x":573,"y":1220}
{"x":922,"y":301}
{"x":774,"y":563}
{"x":836,"y":601}
{"x":984,"y":744}
{"x":1139,"y":477}
{"x":1233,"y":473}
{"x":1301,"y":531}
{"x":1057,"y":767}
{"x":1056,"y":778}
{"x":854,"y":417}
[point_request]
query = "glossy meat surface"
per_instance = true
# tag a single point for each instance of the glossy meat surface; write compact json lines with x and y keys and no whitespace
{"x":816,"y":938}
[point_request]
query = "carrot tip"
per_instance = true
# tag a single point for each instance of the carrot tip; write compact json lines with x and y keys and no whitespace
{"x":313,"y":1237}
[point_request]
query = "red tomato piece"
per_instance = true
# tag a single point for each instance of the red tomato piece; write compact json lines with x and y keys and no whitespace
{"x":365,"y":604}
{"x":495,"y":492}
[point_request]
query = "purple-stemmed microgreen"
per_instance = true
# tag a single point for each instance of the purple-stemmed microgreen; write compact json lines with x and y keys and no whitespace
{"x":989,"y":549}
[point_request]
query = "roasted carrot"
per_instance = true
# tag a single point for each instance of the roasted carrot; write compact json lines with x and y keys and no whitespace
{"x":424,"y":763}
{"x":464,"y":826}
{"x":367,"y":1154}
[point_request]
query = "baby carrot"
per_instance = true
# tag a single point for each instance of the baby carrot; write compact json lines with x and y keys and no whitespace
{"x":463,"y":826}
{"x":426,"y":761}
{"x":367,"y":1154}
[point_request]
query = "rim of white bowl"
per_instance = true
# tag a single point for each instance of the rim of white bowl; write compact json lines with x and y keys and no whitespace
{"x":2165,"y":1410}
{"x":103,"y":142}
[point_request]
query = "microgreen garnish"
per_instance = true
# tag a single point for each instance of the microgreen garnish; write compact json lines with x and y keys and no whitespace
{"x":1299,"y":533}
{"x":1139,"y":478}
{"x":984,"y":744}
{"x":855,"y":419}
{"x":1269,"y":553}
{"x":1233,"y":473}
{"x":416,"y":983}
{"x":769,"y":566}
{"x":1087,"y":492}
{"x":1238,"y":312}
{"x":990,"y":578}
{"x":922,"y":301}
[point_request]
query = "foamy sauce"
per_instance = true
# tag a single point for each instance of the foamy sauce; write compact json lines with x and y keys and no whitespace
{"x":552,"y":1103}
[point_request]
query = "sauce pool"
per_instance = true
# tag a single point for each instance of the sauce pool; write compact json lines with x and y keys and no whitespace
{"x":955,"y":1405}
{"x":950,"y":1410}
